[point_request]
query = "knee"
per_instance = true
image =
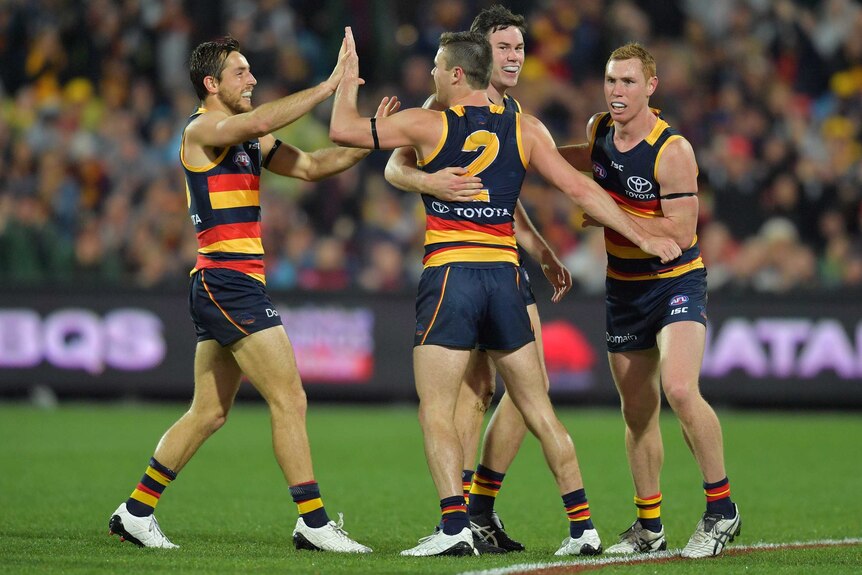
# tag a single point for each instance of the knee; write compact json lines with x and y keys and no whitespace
{"x":680,"y":395}
{"x":294,"y":402}
{"x":639,"y":414}
{"x":209,"y":420}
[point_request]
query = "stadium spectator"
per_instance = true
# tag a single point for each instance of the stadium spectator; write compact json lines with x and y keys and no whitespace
{"x":782,"y":76}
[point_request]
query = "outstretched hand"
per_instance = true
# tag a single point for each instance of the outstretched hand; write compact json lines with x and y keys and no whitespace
{"x":347,"y":66}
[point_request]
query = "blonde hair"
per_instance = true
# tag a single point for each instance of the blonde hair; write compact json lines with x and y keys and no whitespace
{"x":634,"y":51}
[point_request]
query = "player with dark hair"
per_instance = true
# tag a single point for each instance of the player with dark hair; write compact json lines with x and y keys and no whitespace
{"x":656,"y":313}
{"x":225,"y":144}
{"x":505,"y":32}
{"x":469,"y":294}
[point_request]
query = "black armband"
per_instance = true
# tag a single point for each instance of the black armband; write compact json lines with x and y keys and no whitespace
{"x":679,"y":195}
{"x":374,"y":133}
{"x":271,"y":153}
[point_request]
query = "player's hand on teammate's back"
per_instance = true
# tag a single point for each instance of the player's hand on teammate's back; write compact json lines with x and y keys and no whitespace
{"x":453,"y":184}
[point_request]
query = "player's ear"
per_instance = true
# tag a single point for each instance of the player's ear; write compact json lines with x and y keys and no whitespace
{"x":457,"y":74}
{"x":652,"y":84}
{"x":211,"y":84}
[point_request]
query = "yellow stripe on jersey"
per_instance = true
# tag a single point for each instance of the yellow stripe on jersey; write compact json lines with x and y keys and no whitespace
{"x":472,"y":254}
{"x":520,"y":141}
{"x":626,"y":252}
{"x":441,"y":236}
{"x":208,"y":167}
{"x":672,"y":273}
{"x":236,"y":246}
{"x":660,"y":126}
{"x":235,"y":199}
{"x":433,"y":154}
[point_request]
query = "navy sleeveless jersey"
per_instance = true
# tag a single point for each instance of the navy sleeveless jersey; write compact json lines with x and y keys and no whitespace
{"x":630,"y":178}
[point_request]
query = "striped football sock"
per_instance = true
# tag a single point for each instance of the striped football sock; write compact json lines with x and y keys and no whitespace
{"x":143,"y":500}
{"x":466,"y":482}
{"x":718,"y":498}
{"x":309,"y":504}
{"x":649,"y":512}
{"x":578,"y":511}
{"x":454,"y":514}
{"x":483,"y":492}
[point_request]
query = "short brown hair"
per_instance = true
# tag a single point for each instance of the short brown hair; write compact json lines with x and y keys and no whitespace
{"x":495,"y":18}
{"x":471,"y":52}
{"x":634,"y":51}
{"x":208,"y":60}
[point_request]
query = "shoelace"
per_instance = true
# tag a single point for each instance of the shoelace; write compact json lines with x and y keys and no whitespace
{"x":339,"y":527}
{"x":155,"y":528}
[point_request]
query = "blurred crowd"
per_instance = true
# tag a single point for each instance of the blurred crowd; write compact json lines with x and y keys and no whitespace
{"x":94,"y":95}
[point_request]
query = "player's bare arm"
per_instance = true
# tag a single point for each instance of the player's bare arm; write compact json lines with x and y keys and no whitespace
{"x":578,"y":155}
{"x":451,"y":184}
{"x":677,"y":176}
{"x":529,"y":238}
{"x":542,"y":154}
{"x":419,"y":128}
{"x":218,"y":128}
{"x":288,"y":160}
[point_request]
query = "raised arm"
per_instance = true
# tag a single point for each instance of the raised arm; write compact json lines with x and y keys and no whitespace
{"x":218,"y":129}
{"x":449,"y":184}
{"x":543,"y":156}
{"x":416,"y":127}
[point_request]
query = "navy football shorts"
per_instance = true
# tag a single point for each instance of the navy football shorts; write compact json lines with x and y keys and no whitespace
{"x":637,"y":310}
{"x":526,"y":290}
{"x":469,"y":307}
{"x":227,"y":305}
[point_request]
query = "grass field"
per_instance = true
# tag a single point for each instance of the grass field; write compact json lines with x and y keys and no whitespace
{"x":796,"y":478}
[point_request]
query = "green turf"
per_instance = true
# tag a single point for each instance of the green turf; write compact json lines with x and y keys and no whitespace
{"x":796,"y":477}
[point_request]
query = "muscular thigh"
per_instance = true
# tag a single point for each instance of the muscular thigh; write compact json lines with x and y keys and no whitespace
{"x":227,"y":306}
{"x":267,"y":358}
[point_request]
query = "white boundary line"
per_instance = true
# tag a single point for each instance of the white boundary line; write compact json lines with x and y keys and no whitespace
{"x":623,"y":559}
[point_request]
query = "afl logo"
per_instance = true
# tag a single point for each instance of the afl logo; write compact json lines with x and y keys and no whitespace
{"x":242,"y":159}
{"x":678,"y":300}
{"x":440,"y":208}
{"x":638,"y":184}
{"x":599,"y":170}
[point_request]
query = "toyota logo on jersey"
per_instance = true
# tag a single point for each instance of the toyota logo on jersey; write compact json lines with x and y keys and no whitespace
{"x":638,"y":184}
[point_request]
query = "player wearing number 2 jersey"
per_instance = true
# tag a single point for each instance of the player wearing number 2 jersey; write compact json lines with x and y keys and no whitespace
{"x":468,"y":294}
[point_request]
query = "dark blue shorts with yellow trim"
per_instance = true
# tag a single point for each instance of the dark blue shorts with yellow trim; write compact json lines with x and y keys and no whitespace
{"x":635,"y":311}
{"x":472,"y":307}
{"x":227,"y":305}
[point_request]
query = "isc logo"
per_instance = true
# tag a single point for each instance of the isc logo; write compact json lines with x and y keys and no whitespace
{"x":679,"y":310}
